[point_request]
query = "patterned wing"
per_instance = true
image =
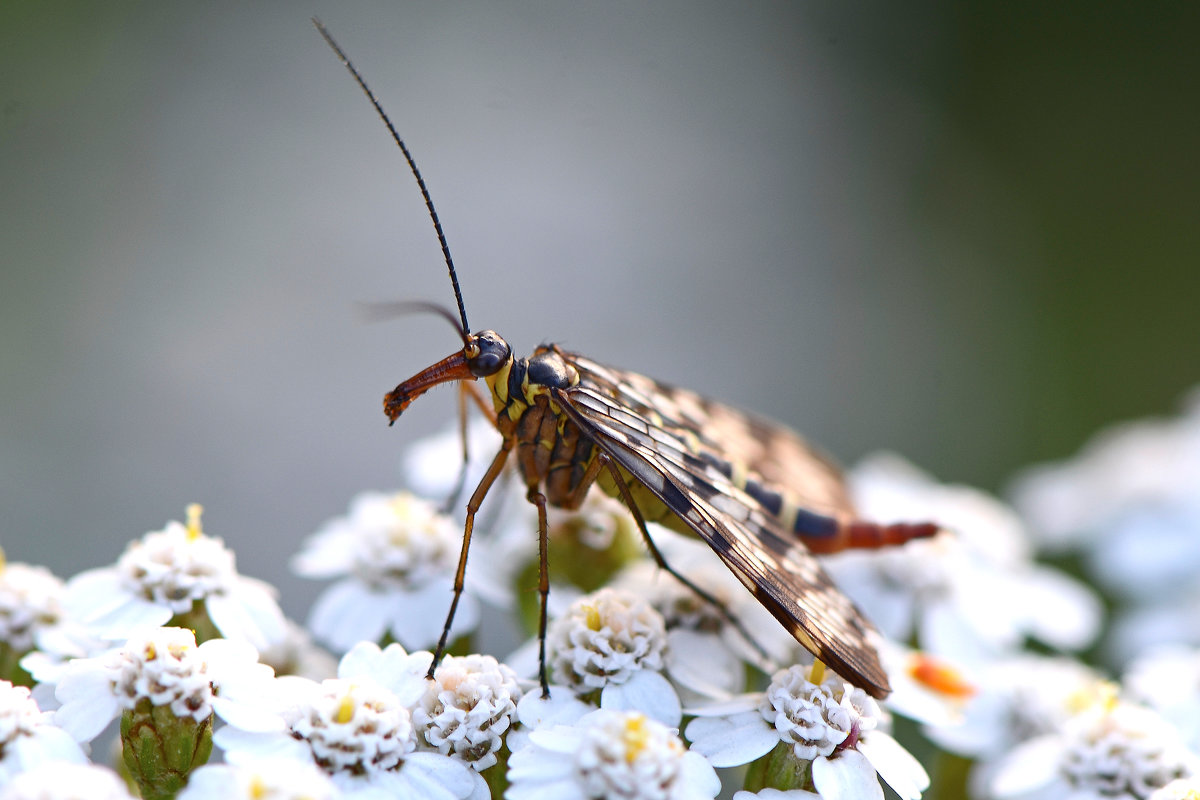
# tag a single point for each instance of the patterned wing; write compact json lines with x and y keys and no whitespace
{"x":659,"y":436}
{"x":732,"y":440}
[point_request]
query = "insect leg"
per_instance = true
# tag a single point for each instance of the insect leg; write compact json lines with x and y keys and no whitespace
{"x":473,"y":505}
{"x":627,"y":498}
{"x":539,"y":500}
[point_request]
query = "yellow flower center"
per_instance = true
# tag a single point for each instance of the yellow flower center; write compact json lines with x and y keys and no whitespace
{"x":345,"y":710}
{"x":636,"y":737}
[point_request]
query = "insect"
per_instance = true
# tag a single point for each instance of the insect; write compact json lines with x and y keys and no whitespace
{"x":753,"y":490}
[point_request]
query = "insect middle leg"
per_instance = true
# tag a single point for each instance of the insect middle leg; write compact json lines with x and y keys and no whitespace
{"x":489,"y":477}
{"x":631,"y":504}
{"x":539,"y":500}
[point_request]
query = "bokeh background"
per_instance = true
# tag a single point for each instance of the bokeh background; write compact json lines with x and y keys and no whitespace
{"x":963,"y":232}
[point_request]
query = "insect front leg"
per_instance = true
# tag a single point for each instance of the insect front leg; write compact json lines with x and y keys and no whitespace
{"x":489,"y":477}
{"x":466,"y":390}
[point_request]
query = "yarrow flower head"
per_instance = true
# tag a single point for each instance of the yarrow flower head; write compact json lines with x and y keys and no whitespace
{"x":622,"y":755}
{"x":30,"y":603}
{"x":1113,"y":749}
{"x":28,"y":737}
{"x":161,"y":667}
{"x":180,"y":574}
{"x":398,"y":553}
{"x":615,"y":643}
{"x":467,"y":708}
{"x":1017,"y":699}
{"x":358,"y":732}
{"x":809,"y":716}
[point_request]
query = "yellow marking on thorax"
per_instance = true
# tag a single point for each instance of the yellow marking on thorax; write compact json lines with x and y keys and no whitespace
{"x":498,"y":386}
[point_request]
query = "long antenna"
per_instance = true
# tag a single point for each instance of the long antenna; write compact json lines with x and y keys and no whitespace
{"x":437,"y":225}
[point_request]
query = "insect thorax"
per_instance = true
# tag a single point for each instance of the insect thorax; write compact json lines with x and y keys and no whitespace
{"x":551,"y":451}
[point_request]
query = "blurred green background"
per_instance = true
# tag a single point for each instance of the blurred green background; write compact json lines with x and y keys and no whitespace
{"x":964,"y":232}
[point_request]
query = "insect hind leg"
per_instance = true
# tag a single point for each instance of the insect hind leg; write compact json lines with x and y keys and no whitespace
{"x":631,"y":504}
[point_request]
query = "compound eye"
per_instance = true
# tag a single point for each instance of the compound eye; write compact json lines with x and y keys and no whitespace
{"x":491,"y":353}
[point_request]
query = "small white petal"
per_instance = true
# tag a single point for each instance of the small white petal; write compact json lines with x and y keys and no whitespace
{"x":347,"y":613}
{"x":248,"y":613}
{"x":1076,"y":611}
{"x":326,"y":554}
{"x":417,"y":617}
{"x":562,"y":707}
{"x":898,"y":767}
{"x":848,"y":777}
{"x":47,"y":744}
{"x":94,"y":592}
{"x":647,"y":692}
{"x":88,"y":702}
{"x":391,"y":667}
{"x":250,"y":747}
{"x":696,"y":777}
{"x":434,"y":775}
{"x":557,"y":738}
{"x":699,"y":662}
{"x":124,"y":621}
{"x":1028,"y":766}
{"x":733,"y":740}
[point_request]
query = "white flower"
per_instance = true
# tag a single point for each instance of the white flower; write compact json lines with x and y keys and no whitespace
{"x":360,"y":733}
{"x":30,"y":604}
{"x":66,"y":781}
{"x":819,"y":718}
{"x":1015,"y":700}
{"x":28,"y":737}
{"x":467,"y":708}
{"x":269,"y":779}
{"x":166,"y":667}
{"x":171,"y":574}
{"x":398,"y":554}
{"x":615,"y":643}
{"x":621,"y":755}
{"x":1112,"y":751}
{"x":967,"y":595}
{"x":1128,"y":504}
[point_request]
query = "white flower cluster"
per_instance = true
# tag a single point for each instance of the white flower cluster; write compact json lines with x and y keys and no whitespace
{"x":468,"y":707}
{"x":30,"y":604}
{"x":650,"y":695}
